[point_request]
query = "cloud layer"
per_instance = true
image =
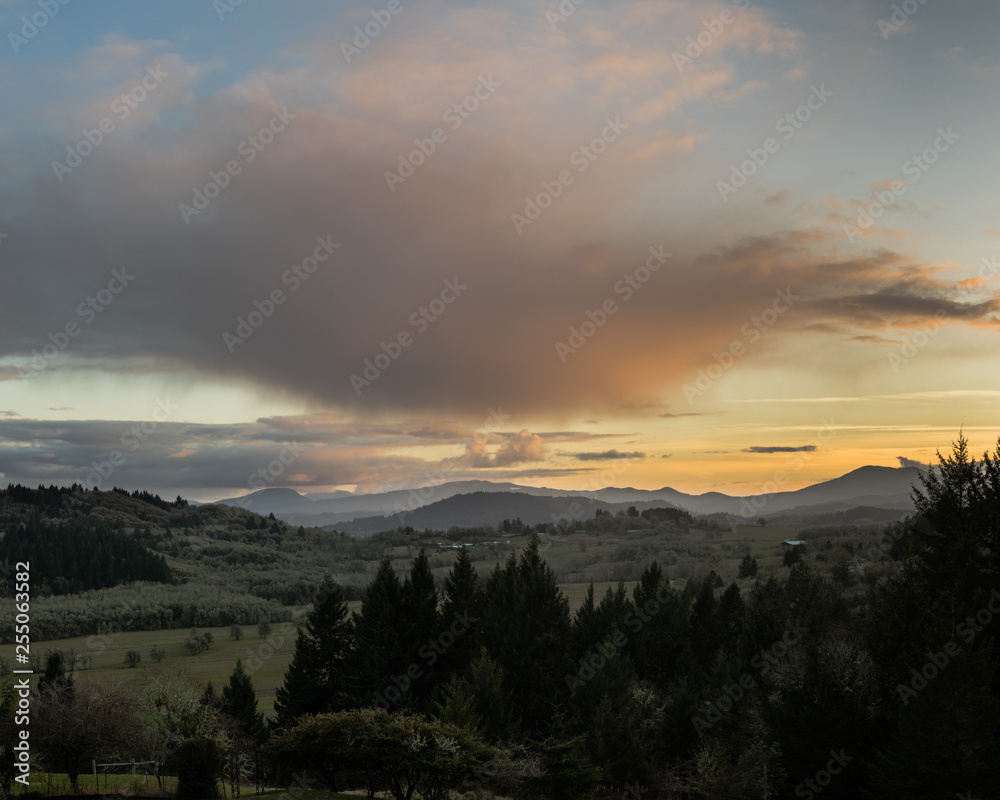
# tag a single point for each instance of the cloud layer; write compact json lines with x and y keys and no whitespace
{"x":480,"y":208}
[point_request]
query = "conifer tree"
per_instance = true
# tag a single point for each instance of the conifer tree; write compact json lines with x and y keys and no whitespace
{"x":706,"y":634}
{"x":527,"y":627}
{"x":463,"y":601}
{"x":478,"y":701}
{"x":316,"y":680}
{"x":378,"y":663}
{"x":656,"y":645}
{"x":420,"y":640}
{"x":239,"y":701}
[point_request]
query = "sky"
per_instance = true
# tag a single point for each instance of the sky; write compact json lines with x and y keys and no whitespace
{"x":717,"y":246}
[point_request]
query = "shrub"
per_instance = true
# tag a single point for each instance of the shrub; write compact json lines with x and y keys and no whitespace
{"x":197,"y":642}
{"x":199,"y":762}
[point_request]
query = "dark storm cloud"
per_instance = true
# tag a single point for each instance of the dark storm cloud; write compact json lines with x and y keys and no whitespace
{"x":608,"y":455}
{"x":807,"y":448}
{"x":321,"y":450}
{"x":361,"y":267}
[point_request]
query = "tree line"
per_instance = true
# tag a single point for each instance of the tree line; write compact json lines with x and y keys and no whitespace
{"x":796,"y":683}
{"x":76,"y":555}
{"x":787,"y":684}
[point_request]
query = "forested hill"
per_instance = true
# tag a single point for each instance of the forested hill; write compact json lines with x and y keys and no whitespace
{"x":136,"y":560}
{"x":77,"y":540}
{"x":489,"y":508}
{"x":20,"y":503}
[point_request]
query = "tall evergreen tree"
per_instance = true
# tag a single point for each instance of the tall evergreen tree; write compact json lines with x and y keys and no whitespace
{"x":316,"y":680}
{"x":379,"y":662}
{"x":463,"y":601}
{"x":420,"y":640}
{"x":585,"y":633}
{"x":659,"y":642}
{"x":706,"y":630}
{"x":479,"y":701}
{"x":957,"y":529}
{"x":528,"y":630}
{"x":239,"y":701}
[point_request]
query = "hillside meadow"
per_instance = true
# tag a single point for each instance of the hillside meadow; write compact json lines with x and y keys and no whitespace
{"x":579,"y":557}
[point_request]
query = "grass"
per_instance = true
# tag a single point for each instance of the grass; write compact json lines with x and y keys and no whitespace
{"x":58,"y":783}
{"x":51,"y":784}
{"x":267,"y":659}
{"x":314,"y":794}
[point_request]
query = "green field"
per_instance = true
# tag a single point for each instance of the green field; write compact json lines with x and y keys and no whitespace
{"x":134,"y":785}
{"x":578,"y":557}
{"x":265,"y":659}
{"x":147,"y":786}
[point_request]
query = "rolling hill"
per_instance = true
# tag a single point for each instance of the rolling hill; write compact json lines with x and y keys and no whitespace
{"x":887,"y":488}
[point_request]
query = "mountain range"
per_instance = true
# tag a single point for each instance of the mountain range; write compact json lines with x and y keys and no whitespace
{"x":879,"y":490}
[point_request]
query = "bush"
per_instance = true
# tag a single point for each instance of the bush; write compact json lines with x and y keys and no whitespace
{"x":132,"y":659}
{"x":197,"y":642}
{"x":199,"y":762}
{"x":157,"y":653}
{"x":748,"y":567}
